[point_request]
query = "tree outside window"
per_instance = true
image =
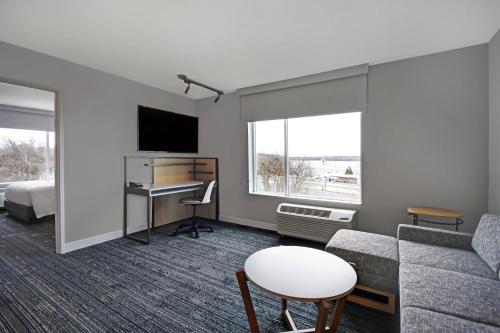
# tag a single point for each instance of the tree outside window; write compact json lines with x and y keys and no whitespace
{"x":26,"y":155}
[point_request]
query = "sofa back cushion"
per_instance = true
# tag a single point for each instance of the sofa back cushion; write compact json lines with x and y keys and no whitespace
{"x":486,"y":241}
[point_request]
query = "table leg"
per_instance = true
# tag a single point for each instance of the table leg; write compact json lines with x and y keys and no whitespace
{"x":287,"y":317}
{"x":247,"y":300}
{"x":284,"y":310}
{"x":337,"y":314}
{"x":323,"y":308}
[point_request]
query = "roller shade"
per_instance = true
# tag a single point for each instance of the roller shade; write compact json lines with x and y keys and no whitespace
{"x":339,"y":91}
{"x":26,"y":118}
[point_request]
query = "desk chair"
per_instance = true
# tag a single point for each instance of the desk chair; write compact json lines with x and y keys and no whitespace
{"x":194,"y":227}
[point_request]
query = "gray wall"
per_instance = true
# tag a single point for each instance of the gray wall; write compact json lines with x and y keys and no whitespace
{"x":494,"y":57}
{"x":99,"y":114}
{"x":424,"y":142}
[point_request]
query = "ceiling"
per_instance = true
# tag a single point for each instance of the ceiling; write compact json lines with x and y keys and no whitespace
{"x":231,"y":44}
{"x":15,"y":95}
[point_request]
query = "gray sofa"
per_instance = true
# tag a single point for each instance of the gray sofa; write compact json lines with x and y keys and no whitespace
{"x":449,"y":281}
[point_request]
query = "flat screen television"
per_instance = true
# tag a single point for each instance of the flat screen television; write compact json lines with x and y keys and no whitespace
{"x":165,"y":131}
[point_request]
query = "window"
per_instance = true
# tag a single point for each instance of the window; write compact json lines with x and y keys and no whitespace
{"x":312,"y":157}
{"x":26,"y":155}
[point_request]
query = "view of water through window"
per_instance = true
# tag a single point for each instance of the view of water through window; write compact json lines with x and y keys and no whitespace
{"x":323,"y":154}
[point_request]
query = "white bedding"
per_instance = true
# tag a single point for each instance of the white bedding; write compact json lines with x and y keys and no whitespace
{"x":39,"y":194}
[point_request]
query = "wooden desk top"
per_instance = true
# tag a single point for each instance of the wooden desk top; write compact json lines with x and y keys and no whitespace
{"x":300,"y":273}
{"x":436,"y":212}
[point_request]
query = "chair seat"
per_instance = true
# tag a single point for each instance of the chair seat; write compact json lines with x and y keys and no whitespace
{"x":190,"y":201}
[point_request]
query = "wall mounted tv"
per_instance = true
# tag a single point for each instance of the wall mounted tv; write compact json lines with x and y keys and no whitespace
{"x":165,"y":131}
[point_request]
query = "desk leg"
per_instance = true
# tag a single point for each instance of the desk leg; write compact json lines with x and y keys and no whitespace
{"x":124,"y":213}
{"x":149,"y":220}
{"x":152,"y":213}
{"x":149,"y":217}
{"x":247,"y":300}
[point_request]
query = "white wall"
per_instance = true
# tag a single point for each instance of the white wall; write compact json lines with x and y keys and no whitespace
{"x":424,"y":142}
{"x":494,"y":57}
{"x":99,"y":119}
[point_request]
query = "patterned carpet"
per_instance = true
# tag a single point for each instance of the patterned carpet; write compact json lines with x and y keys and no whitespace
{"x":177,"y":284}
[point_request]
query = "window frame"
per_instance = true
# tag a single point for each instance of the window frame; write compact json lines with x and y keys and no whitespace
{"x":252,"y":170}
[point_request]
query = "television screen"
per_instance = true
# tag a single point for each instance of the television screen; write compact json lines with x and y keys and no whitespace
{"x":166,"y":131}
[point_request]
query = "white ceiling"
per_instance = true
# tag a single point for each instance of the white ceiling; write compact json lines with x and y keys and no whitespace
{"x":232,"y":44}
{"x":11,"y":94}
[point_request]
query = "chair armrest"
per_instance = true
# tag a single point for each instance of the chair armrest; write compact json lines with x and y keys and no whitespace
{"x":432,"y":236}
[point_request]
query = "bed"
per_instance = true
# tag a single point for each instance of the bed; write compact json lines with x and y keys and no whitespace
{"x":31,"y":200}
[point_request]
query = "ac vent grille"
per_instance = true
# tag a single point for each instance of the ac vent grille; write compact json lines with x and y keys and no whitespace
{"x":311,"y":222}
{"x":305,"y":211}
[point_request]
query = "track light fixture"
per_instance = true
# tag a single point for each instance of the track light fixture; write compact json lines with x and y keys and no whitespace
{"x":188,"y":81}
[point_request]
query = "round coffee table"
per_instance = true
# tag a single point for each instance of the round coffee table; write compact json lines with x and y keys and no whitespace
{"x":298,"y":274}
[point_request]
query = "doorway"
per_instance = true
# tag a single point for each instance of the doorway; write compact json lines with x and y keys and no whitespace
{"x":29,"y":162}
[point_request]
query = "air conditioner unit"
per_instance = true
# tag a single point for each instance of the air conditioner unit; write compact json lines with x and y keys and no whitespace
{"x":313,"y":223}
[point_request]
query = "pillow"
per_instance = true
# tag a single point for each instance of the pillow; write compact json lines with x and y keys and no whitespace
{"x":486,"y":241}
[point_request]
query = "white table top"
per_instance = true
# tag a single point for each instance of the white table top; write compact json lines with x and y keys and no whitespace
{"x":300,"y":273}
{"x":154,"y":187}
{"x":164,"y":189}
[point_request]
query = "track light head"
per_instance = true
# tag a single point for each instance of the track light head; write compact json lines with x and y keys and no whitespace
{"x":188,"y":81}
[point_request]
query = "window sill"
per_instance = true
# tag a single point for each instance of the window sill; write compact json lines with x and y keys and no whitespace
{"x":309,"y":199}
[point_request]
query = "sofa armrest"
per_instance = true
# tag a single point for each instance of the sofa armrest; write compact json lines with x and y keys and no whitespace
{"x":432,"y":236}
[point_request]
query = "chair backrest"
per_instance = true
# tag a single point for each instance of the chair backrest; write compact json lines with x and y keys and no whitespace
{"x":208,"y":191}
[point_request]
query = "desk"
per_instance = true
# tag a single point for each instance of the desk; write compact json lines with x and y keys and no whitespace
{"x":416,"y":212}
{"x":150,"y":191}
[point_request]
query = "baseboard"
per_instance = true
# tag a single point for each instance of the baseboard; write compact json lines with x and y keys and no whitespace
{"x":248,"y":222}
{"x":94,"y":240}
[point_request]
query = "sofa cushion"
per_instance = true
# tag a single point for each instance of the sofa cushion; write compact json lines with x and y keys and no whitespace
{"x":375,"y":256}
{"x":448,"y":258}
{"x":415,"y":320}
{"x":456,"y":294}
{"x":433,"y":236}
{"x":486,"y":241}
